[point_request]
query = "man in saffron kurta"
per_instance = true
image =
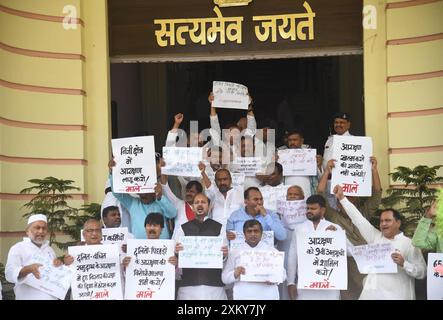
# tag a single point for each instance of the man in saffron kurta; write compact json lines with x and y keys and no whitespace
{"x":411,"y":265}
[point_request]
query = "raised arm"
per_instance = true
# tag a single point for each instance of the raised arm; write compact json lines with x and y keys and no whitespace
{"x":366,"y":229}
{"x":170,"y":195}
{"x":368,"y":207}
{"x":213,"y":118}
{"x":424,"y":237}
{"x":376,"y":183}
{"x":321,"y":188}
{"x":171,"y":139}
{"x":205,"y":179}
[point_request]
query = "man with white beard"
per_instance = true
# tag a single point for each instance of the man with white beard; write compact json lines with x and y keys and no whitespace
{"x":20,"y":262}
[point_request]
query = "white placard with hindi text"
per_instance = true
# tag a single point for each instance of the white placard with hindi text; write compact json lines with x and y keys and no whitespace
{"x":54,"y":281}
{"x":249,"y":166}
{"x":374,"y":258}
{"x":201,"y":252}
{"x":353,"y":166}
{"x":298,"y":162}
{"x":181,"y":161}
{"x":272,"y":194}
{"x":262,"y":266}
{"x":230,"y":95}
{"x":239,"y":241}
{"x":149,"y":275}
{"x":292,"y":212}
{"x":97,"y":272}
{"x":135,"y":170}
{"x":322,"y":261}
{"x":435,"y":276}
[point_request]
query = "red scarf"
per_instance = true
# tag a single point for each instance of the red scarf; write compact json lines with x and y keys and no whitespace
{"x":189,"y":212}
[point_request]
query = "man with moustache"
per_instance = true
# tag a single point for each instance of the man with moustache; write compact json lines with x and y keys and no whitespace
{"x":154,"y":223}
{"x":201,"y":284}
{"x":183,"y":207}
{"x":409,"y":260}
{"x":21,"y":255}
{"x":225,"y":198}
{"x":316,"y":208}
{"x":342,"y":124}
{"x":368,"y":207}
{"x":92,"y":232}
{"x":111,"y":217}
{"x":254,"y":209}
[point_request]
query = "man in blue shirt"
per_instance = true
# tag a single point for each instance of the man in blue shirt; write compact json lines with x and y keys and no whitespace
{"x":139,"y":208}
{"x":254,"y":210}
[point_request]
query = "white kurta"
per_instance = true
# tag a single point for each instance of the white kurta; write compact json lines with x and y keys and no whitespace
{"x":308,"y":294}
{"x":223,"y":207}
{"x":201,"y":292}
{"x":249,"y":290}
{"x":391,"y":286}
{"x":19,"y":256}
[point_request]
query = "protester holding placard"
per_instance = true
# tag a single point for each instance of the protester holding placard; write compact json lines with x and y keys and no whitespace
{"x":225,"y":198}
{"x":254,"y":209}
{"x":233,"y":129}
{"x":411,"y":265}
{"x":22,"y":257}
{"x":368,"y":207}
{"x":201,"y":284}
{"x":233,"y":270}
{"x":316,"y":208}
{"x":177,"y":138}
{"x":341,"y":125}
{"x":143,"y":205}
{"x":98,"y":266}
{"x":154,"y":224}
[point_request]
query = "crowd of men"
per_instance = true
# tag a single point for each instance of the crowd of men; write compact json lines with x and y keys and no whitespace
{"x":212,"y":205}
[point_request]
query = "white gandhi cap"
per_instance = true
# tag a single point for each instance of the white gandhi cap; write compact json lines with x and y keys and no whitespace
{"x":37,"y":217}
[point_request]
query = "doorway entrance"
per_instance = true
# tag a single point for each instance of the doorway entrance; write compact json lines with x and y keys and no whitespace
{"x":297,"y":93}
